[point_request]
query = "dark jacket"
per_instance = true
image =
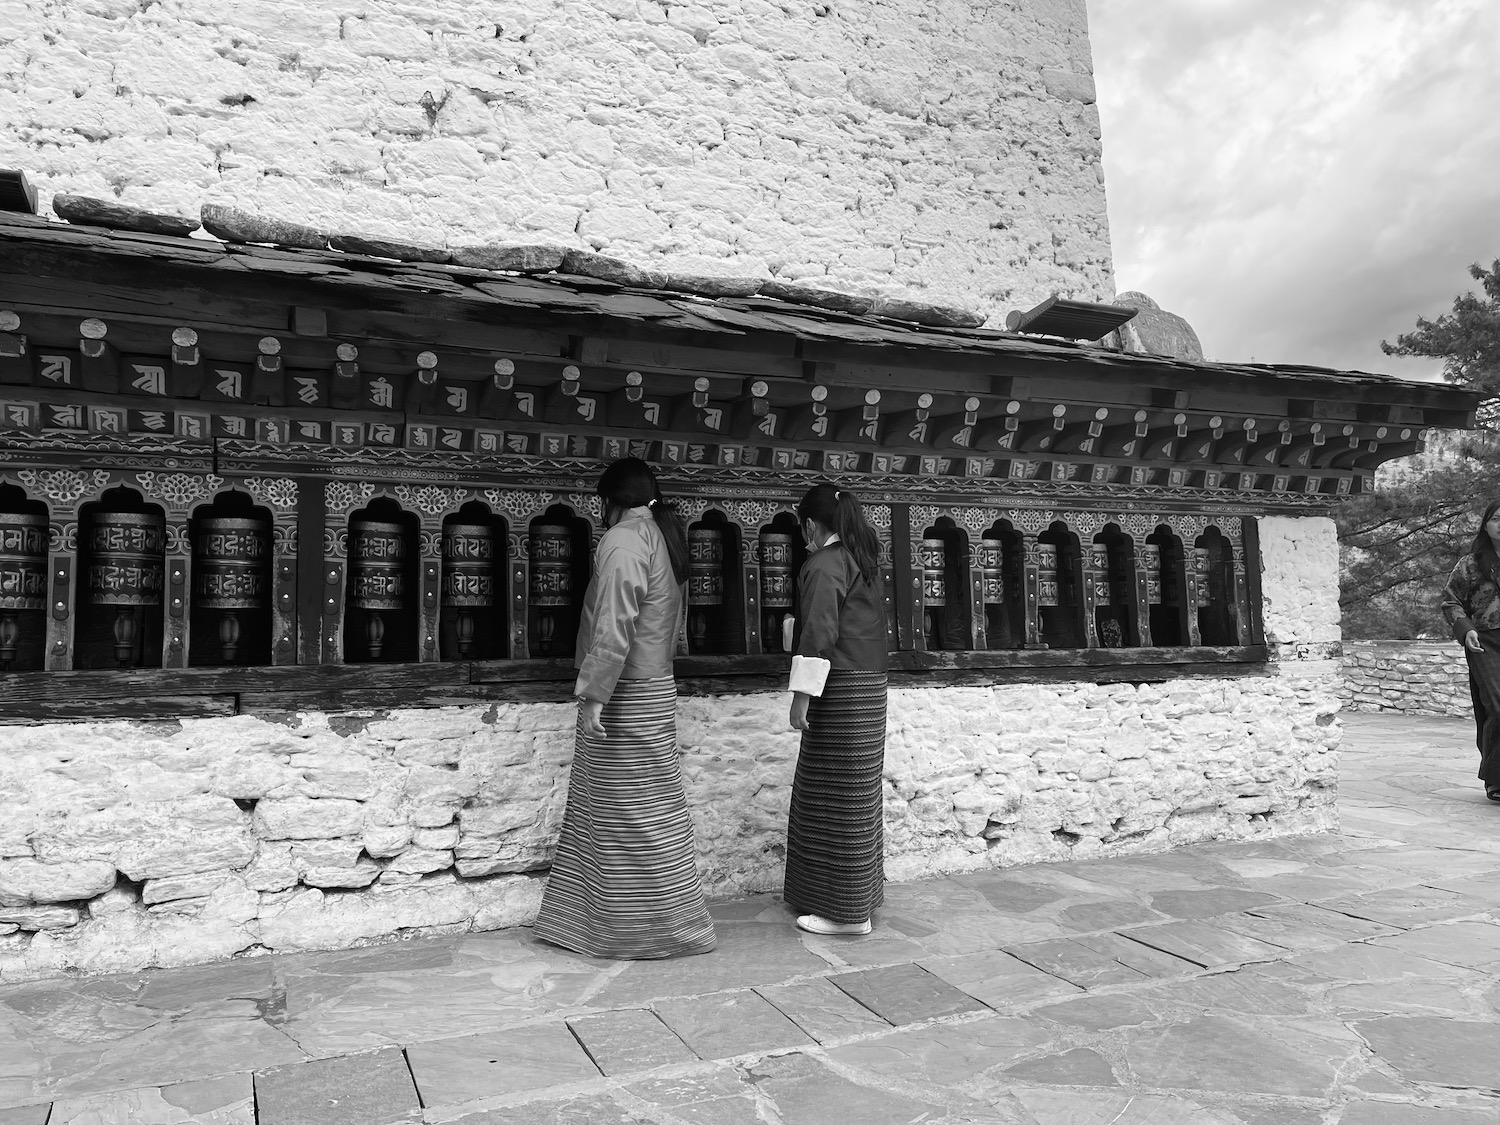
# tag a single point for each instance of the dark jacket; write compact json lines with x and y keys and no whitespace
{"x":841,"y":617}
{"x":1471,"y":600}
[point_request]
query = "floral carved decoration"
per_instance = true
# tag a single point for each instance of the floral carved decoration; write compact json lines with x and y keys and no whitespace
{"x":63,"y":486}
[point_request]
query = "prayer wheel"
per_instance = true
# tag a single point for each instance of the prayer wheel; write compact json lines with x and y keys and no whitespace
{"x":1047,"y":586}
{"x":23,"y":576}
{"x":551,"y":584}
{"x":127,"y":570}
{"x":991,"y":561}
{"x":232,"y":574}
{"x":1148,"y":560}
{"x":468,"y":576}
{"x":932,"y":554}
{"x":1099,"y":576}
{"x":1202,"y":569}
{"x":377,"y":575}
{"x":777,"y":583}
{"x":705,"y":580}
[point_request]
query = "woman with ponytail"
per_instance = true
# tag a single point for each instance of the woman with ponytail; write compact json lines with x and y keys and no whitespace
{"x":1471,"y":604}
{"x":835,"y":867}
{"x":624,"y":881}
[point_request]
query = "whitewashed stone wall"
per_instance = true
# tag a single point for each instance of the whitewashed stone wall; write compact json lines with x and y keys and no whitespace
{"x":127,"y":844}
{"x":1300,"y":581}
{"x":1413,"y":677}
{"x":944,"y":146}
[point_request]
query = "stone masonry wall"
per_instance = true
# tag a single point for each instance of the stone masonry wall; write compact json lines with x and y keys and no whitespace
{"x":1413,"y":677}
{"x":944,"y":146}
{"x":130,"y":844}
{"x":127,"y":844}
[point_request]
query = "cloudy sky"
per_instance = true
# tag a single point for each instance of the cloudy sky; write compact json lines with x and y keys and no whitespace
{"x":1301,"y":178}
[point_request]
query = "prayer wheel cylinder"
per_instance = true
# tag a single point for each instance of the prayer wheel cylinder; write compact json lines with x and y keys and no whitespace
{"x":1047,"y":590}
{"x":932,"y":554}
{"x":991,"y":560}
{"x":23,"y":576}
{"x":232,"y":573}
{"x":777,"y":583}
{"x":551,"y":565}
{"x":1202,"y":566}
{"x":377,"y":575}
{"x":127,"y":570}
{"x":1104,"y":593}
{"x":1148,"y":558}
{"x":468,"y":576}
{"x":705,"y":566}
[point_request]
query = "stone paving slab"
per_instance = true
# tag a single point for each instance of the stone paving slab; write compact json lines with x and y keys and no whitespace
{"x":369,"y":1089}
{"x":593,"y":1109}
{"x":1300,"y":926}
{"x":26,"y":1114}
{"x":1204,"y":944}
{"x":823,"y":1010}
{"x":1100,"y":960}
{"x":733,"y":1023}
{"x":1408,"y":906}
{"x":803,"y":1091}
{"x":999,"y":979}
{"x":904,"y":994}
{"x":1431,"y":1049}
{"x":213,"y":1101}
{"x":723,"y":1096}
{"x":633,"y":1039}
{"x":497,"y":1063}
{"x":1474,"y":945}
{"x":1104,"y":1107}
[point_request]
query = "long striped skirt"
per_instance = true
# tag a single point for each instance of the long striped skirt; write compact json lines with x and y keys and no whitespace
{"x":1484,"y":689}
{"x":624,"y":881}
{"x":835,"y":835}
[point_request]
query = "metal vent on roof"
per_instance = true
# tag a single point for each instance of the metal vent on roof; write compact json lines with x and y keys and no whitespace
{"x":16,"y":192}
{"x":1075,"y":320}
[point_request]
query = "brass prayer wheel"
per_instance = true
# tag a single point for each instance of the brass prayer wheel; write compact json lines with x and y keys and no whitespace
{"x":705,"y":566}
{"x":1099,"y":574}
{"x":23,"y":561}
{"x":468,"y":565}
{"x":377,"y":565}
{"x":932,"y":553}
{"x":1202,"y":568}
{"x":991,"y":560}
{"x":127,"y":559}
{"x":1148,"y":559}
{"x":1047,"y":587}
{"x":233,"y":565}
{"x":551,"y":565}
{"x":777,"y":583}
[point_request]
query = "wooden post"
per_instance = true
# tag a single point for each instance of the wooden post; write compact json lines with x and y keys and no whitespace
{"x":430,"y":581}
{"x":1140,"y":596}
{"x":906,"y":584}
{"x":176,"y":632}
{"x":516,"y":558}
{"x":1031,"y":585}
{"x":63,"y":590}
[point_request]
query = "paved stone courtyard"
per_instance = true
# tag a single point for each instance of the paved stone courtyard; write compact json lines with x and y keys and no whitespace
{"x":1343,"y":979}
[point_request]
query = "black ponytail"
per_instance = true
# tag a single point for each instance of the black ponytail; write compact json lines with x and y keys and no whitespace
{"x":630,"y":483}
{"x":840,"y":511}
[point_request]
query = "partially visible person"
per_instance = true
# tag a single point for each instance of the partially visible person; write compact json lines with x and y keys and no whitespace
{"x":835,"y":841}
{"x":1471,"y":604}
{"x":624,"y":881}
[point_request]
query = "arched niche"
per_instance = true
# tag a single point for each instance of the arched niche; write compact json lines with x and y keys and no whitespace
{"x":1165,"y":588}
{"x":943,"y":554}
{"x":122,"y":547}
{"x":472,"y":613}
{"x":1213,"y":569}
{"x":230,"y":616}
{"x":24,"y":537}
{"x":1003,"y":585}
{"x":1059,"y":575}
{"x":716,"y":586}
{"x":781,"y":552}
{"x":1112,"y":574}
{"x":559,"y":549}
{"x":381,"y":614}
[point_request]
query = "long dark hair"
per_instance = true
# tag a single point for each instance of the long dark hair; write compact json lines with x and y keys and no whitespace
{"x":630,"y":483}
{"x":839,"y":510}
{"x":1483,"y":549}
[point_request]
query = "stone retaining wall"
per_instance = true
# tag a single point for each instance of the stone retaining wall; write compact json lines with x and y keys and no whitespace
{"x":127,"y":844}
{"x":1413,"y":677}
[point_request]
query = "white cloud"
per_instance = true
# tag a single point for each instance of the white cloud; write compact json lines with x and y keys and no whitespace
{"x":1301,"y":178}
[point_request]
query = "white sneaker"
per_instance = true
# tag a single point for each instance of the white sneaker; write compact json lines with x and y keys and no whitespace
{"x":817,"y":924}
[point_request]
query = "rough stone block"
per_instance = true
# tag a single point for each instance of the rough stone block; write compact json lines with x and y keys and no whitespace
{"x":360,"y":874}
{"x":27,"y":881}
{"x":40,"y":917}
{"x":304,"y":818}
{"x":182,"y":886}
{"x":510,"y":257}
{"x":181,"y":837}
{"x":387,"y":840}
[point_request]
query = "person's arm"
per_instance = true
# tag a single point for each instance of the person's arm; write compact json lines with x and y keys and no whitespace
{"x":620,"y":579}
{"x":821,"y":588}
{"x":1455,"y":604}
